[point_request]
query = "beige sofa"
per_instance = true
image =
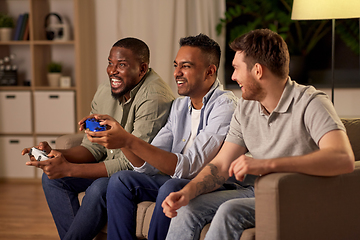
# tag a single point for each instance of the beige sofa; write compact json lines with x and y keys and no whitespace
{"x":289,"y":205}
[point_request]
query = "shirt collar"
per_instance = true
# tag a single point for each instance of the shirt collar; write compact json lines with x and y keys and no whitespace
{"x":208,"y":95}
{"x":285,"y":99}
{"x":137,"y":87}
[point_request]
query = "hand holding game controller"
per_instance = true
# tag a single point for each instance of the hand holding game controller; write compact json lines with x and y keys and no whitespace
{"x":38,"y":154}
{"x":94,"y":125}
{"x":115,"y":135}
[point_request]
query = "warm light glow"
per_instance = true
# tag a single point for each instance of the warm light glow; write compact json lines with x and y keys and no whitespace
{"x":325,"y":9}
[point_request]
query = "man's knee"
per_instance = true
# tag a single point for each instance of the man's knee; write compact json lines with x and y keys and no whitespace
{"x":172,"y":185}
{"x":49,"y":183}
{"x":115,"y":179}
{"x":44,"y":179}
{"x":240,"y":206}
{"x":122,"y":181}
{"x":98,"y":188}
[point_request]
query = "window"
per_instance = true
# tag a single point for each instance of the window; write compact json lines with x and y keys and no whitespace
{"x":316,"y":65}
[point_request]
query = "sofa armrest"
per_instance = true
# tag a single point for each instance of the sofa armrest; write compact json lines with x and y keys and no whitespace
{"x":69,"y":140}
{"x":298,"y":206}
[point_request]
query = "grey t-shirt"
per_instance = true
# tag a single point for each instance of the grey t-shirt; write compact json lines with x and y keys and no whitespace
{"x":302,"y":116}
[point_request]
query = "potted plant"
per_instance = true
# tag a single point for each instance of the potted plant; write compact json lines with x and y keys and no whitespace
{"x":54,"y":73}
{"x":6,"y":26}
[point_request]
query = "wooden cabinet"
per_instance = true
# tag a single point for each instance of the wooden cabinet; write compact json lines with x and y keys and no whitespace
{"x":76,"y":53}
{"x":12,"y":163}
{"x":15,"y":112}
{"x":49,"y":106}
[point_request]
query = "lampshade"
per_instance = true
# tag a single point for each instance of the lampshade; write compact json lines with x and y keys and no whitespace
{"x":325,"y":9}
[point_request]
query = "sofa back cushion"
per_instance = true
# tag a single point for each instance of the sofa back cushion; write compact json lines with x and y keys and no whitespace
{"x":352,"y":126}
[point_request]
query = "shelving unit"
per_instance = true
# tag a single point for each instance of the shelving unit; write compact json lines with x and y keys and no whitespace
{"x":64,"y":107}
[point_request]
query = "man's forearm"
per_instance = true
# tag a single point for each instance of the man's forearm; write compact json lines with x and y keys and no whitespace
{"x":88,"y":170}
{"x":78,"y":154}
{"x":206,"y":181}
{"x":134,"y":159}
{"x":211,"y":181}
{"x":325,"y":162}
{"x":158,"y":158}
{"x":214,"y":174}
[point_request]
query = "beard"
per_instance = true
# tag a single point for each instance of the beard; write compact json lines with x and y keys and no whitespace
{"x":120,"y":94}
{"x":253,"y":91}
{"x":115,"y":93}
{"x":117,"y":96}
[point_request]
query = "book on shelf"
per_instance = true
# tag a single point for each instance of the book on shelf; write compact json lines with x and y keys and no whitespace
{"x":23,"y":26}
{"x":18,"y":27}
{"x":27,"y":31}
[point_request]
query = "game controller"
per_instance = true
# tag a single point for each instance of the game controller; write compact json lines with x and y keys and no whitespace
{"x":94,"y":125}
{"x":38,"y":154}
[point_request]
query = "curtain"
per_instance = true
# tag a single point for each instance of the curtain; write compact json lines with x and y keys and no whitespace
{"x":161,"y":24}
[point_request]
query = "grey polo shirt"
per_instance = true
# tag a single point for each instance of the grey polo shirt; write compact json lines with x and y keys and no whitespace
{"x":143,"y":115}
{"x":302,"y":116}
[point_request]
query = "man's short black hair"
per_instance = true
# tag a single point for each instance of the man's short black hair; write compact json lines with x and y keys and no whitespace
{"x":207,"y":46}
{"x":138,"y":47}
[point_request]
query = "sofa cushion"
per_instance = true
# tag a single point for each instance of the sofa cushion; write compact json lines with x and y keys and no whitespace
{"x":69,"y":140}
{"x":143,"y":218}
{"x":352,"y":126}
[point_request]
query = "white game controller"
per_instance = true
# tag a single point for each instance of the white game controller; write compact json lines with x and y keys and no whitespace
{"x":38,"y":154}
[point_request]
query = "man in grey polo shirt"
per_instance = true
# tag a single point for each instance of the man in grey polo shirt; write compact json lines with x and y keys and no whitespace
{"x":285,"y":126}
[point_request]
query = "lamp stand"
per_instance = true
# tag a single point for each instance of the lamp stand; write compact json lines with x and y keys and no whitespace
{"x":332,"y":60}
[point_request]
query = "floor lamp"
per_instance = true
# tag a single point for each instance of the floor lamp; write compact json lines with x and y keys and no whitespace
{"x":326,"y":9}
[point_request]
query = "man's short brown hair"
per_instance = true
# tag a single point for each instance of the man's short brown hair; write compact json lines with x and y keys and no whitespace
{"x":265,"y":47}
